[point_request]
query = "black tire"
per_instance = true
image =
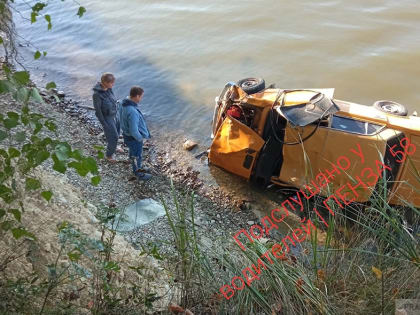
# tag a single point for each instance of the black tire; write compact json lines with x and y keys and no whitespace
{"x":391,"y":107}
{"x":252,"y":85}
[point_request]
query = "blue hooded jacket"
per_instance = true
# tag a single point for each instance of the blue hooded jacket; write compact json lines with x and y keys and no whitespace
{"x":132,"y":121}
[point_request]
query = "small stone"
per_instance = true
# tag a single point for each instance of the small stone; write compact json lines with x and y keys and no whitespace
{"x":189,"y":145}
{"x":251,"y":222}
{"x":61,"y":94}
{"x":47,"y":247}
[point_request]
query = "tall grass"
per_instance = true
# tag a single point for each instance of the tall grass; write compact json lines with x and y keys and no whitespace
{"x":368,"y":257}
{"x":189,"y":261}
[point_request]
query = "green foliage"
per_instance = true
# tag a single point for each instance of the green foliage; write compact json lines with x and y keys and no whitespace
{"x":20,"y":232}
{"x":189,"y":259}
{"x":47,"y":195}
{"x":95,"y":180}
{"x":16,"y":213}
{"x":48,"y":19}
{"x":50,"y":85}
{"x":3,"y":135}
{"x":37,"y":55}
{"x":21,"y":77}
{"x":81,"y":11}
{"x":31,"y":150}
{"x":32,"y":184}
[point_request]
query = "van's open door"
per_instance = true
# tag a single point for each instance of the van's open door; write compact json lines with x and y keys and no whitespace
{"x":235,"y":147}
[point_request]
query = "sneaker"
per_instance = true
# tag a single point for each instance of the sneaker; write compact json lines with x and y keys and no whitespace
{"x":111,"y":160}
{"x":144,"y":170}
{"x":144,"y":176}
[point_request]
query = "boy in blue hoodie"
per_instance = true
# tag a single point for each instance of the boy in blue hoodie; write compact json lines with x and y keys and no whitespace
{"x":134,"y":130}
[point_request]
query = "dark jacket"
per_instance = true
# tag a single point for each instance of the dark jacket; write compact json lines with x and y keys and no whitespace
{"x":132,"y":121}
{"x":105,"y":104}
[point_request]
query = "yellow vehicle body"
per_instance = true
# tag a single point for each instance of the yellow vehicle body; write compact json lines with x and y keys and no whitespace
{"x":258,"y":147}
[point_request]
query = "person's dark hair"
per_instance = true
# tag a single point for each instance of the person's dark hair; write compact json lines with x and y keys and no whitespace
{"x":136,"y":90}
{"x":107,"y":77}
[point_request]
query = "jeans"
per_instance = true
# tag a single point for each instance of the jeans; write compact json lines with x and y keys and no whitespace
{"x":135,"y":149}
{"x":111,"y":131}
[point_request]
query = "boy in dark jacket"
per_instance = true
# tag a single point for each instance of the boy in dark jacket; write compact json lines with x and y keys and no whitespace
{"x":105,"y":104}
{"x":134,"y":130}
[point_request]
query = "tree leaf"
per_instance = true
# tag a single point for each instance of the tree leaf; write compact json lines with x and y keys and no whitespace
{"x":46,"y":141}
{"x":21,"y":77}
{"x":47,"y":195}
{"x":41,"y":156}
{"x":38,"y":127}
{"x":48,"y":19}
{"x":50,"y":125}
{"x":22,"y":94}
{"x":95,"y":180}
{"x":111,"y":265}
{"x":6,"y":225}
{"x":79,"y":167}
{"x":32,"y":184}
{"x":39,"y":6}
{"x":6,"y":69}
{"x":36,"y":96}
{"x":44,"y":53}
{"x":90,"y":164}
{"x":13,"y":115}
{"x":4,"y":154}
{"x":20,"y":136}
{"x":6,"y":86}
{"x":81,"y":11}
{"x":25,"y":110}
{"x":16,"y":213}
{"x":33,"y":17}
{"x":74,"y":256}
{"x":77,"y":155}
{"x":3,"y":135}
{"x":58,"y":166}
{"x":50,"y":85}
{"x":19,"y":232}
{"x":62,"y":151}
{"x":10,"y":123}
{"x":13,"y":152}
{"x":37,"y":55}
{"x":99,"y":147}
{"x":377,"y":272}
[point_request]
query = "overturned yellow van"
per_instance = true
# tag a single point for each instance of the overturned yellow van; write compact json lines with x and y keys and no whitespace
{"x":308,"y":140}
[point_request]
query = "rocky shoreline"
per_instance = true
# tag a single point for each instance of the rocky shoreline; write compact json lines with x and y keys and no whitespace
{"x":218,"y":212}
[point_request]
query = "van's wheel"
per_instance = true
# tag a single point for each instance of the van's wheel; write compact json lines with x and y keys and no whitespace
{"x":252,"y":85}
{"x":391,"y":107}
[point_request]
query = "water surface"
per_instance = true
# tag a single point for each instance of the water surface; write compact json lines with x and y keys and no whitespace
{"x":183,"y":52}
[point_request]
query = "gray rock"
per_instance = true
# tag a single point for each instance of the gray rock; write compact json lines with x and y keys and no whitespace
{"x":189,"y":145}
